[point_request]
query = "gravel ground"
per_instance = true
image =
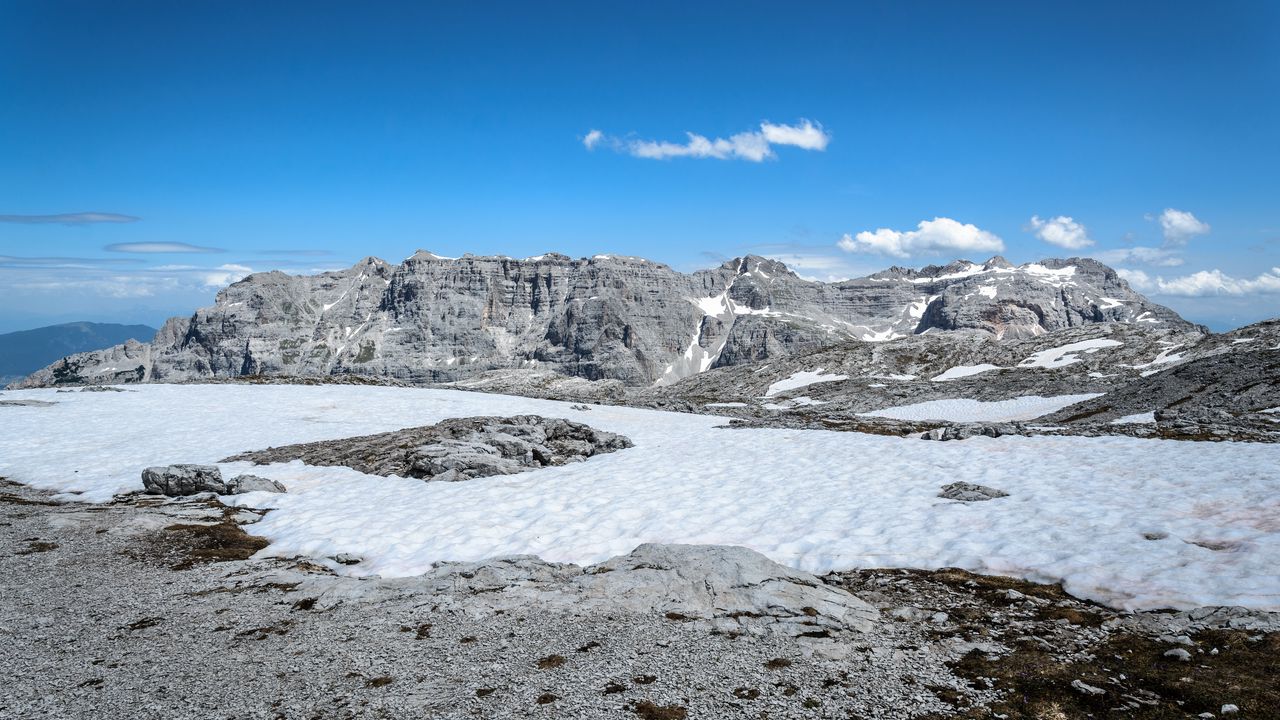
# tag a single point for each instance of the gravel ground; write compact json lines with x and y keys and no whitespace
{"x":97,"y":623}
{"x":149,"y":608}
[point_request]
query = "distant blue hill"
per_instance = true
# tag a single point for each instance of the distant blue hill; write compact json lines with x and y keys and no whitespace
{"x":24,"y":352}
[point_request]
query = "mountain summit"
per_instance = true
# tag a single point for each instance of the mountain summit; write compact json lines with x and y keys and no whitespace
{"x":436,"y":319}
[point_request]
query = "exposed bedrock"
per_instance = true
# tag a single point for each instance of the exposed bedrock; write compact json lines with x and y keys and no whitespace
{"x":455,"y":449}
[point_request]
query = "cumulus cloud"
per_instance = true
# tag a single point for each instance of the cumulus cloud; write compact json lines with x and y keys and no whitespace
{"x":938,"y":236}
{"x":80,"y":218}
{"x":1062,"y":231}
{"x":224,"y":275}
{"x":806,"y":135}
{"x":1179,"y":226}
{"x":752,"y":145}
{"x":160,"y":247}
{"x":1204,"y":283}
{"x":1140,"y":255}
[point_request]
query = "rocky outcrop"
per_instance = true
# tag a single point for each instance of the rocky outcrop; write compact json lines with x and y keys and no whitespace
{"x":434,"y":319}
{"x":180,"y":480}
{"x":455,"y":449}
{"x":970,"y":492}
{"x":253,"y":483}
{"x":726,"y":588}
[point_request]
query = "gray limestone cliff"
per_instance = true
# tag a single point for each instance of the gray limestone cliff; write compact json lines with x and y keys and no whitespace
{"x":435,"y":319}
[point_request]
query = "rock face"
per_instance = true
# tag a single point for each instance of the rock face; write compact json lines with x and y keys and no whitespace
{"x":455,"y":449}
{"x":179,"y":480}
{"x":434,"y":319}
{"x":731,"y":589}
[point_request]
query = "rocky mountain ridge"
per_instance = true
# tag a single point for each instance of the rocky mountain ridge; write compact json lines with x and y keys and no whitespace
{"x":435,"y":319}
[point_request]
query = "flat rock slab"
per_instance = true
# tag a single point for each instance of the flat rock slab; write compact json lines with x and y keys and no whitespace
{"x":729,"y":589}
{"x":454,"y":449}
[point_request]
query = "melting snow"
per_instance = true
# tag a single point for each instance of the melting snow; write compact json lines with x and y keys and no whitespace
{"x":1066,"y":355}
{"x":960,"y":371}
{"x":965,"y":410}
{"x":1077,"y":510}
{"x":804,"y":378}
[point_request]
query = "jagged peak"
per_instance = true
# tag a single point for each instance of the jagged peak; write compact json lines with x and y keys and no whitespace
{"x":421,"y":255}
{"x":997,"y":261}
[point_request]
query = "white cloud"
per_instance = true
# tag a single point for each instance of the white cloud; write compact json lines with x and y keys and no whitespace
{"x":1179,"y":226}
{"x":753,"y":145}
{"x":80,"y":218}
{"x":1204,"y":283}
{"x":1140,"y":255}
{"x":1062,"y":231}
{"x":160,"y":247}
{"x":806,"y":135}
{"x":938,"y":236}
{"x":224,"y":275}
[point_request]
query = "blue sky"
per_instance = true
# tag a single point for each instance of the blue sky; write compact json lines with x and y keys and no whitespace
{"x":306,"y":136}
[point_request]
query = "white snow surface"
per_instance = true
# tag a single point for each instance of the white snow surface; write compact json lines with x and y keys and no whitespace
{"x":1067,"y":354}
{"x":815,"y":500}
{"x":960,"y":371}
{"x":1028,"y":407}
{"x":803,"y":378}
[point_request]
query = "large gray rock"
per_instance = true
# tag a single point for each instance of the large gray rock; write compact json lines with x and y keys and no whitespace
{"x":434,"y":319}
{"x":455,"y":448}
{"x":180,"y":480}
{"x":730,"y":589}
{"x":253,"y":483}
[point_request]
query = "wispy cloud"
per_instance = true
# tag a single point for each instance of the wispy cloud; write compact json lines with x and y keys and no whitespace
{"x":1140,"y":255}
{"x":1179,"y":226}
{"x":80,"y":218}
{"x":297,"y":252}
{"x":1204,"y":283}
{"x":160,"y":247}
{"x":752,"y":145}
{"x":1062,"y":231}
{"x":938,"y":236}
{"x":62,"y":262}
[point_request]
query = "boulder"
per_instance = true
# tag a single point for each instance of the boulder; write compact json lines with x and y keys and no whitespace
{"x":180,"y":480}
{"x":253,"y":483}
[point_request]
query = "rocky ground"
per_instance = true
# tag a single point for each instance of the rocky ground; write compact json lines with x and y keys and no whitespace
{"x":152,"y":607}
{"x":455,"y":449}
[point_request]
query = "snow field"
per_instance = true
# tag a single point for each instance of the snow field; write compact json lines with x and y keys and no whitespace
{"x":815,"y":500}
{"x":1028,"y":407}
{"x":803,"y":378}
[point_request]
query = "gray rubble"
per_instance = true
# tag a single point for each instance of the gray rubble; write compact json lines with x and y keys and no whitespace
{"x":970,"y":492}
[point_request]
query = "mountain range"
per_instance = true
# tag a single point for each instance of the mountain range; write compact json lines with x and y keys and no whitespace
{"x":25,"y":351}
{"x":434,"y":319}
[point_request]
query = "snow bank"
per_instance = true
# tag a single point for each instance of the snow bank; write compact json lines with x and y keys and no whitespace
{"x":1067,"y":354}
{"x":816,"y":500}
{"x":804,"y":378}
{"x":960,"y":371}
{"x":1029,"y":407}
